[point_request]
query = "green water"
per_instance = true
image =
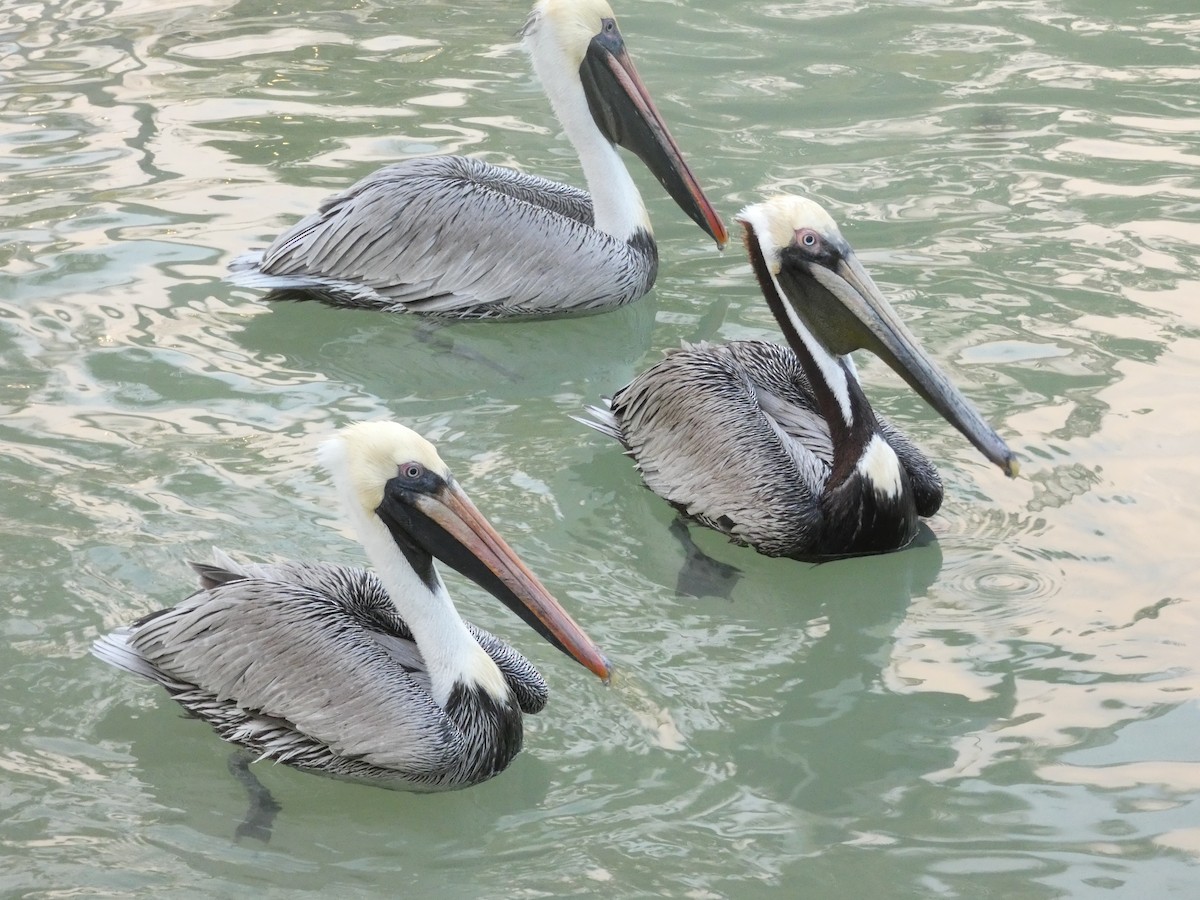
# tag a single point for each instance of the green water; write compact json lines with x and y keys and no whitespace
{"x":1008,"y":710}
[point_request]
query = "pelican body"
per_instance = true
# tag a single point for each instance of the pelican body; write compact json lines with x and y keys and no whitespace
{"x":457,"y":237}
{"x":778,"y":447}
{"x":359,"y":674}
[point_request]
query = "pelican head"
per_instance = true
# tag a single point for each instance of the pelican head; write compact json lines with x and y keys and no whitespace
{"x":819,"y":292}
{"x":576,"y":46}
{"x":394,"y":477}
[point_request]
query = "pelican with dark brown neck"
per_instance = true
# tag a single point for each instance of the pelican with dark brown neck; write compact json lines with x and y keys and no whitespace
{"x":777,"y":446}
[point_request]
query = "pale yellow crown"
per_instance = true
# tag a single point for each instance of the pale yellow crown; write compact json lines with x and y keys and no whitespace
{"x":366,"y":455}
{"x":777,"y":219}
{"x":570,"y":23}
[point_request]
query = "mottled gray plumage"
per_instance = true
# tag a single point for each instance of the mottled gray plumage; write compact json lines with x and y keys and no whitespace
{"x":460,"y":238}
{"x":731,"y":436}
{"x":309,"y":664}
{"x":780,"y":448}
{"x":457,"y":237}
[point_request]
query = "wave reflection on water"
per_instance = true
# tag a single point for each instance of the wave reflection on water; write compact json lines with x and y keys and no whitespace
{"x":1007,"y":706}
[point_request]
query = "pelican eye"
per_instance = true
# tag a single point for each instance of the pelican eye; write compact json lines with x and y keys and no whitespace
{"x":809,"y":240}
{"x":412,"y":471}
{"x":608,"y":26}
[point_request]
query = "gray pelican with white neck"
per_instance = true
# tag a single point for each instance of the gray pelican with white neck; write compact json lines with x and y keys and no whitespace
{"x":456,"y":237}
{"x":369,"y":676}
{"x":777,"y":447}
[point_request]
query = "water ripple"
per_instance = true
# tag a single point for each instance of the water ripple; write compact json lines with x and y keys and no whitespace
{"x":1002,"y":708}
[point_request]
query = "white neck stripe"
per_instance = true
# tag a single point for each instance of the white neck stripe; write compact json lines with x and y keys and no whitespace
{"x":830,"y":366}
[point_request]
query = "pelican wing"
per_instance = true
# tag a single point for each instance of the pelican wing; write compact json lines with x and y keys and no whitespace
{"x":287,"y":653}
{"x":527,"y":683}
{"x":786,"y":397}
{"x":364,"y":597}
{"x":787,"y":400}
{"x":459,"y":237}
{"x":702,"y":436}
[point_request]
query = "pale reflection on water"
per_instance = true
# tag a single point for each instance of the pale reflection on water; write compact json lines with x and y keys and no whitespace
{"x":1009,"y":707}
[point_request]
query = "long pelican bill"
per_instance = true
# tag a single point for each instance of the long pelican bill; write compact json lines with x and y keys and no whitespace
{"x":624,"y":111}
{"x":851,"y":313}
{"x":448,"y":525}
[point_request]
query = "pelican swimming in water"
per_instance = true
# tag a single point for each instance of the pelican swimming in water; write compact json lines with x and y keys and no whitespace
{"x":457,"y":237}
{"x":360,"y":675}
{"x":778,"y":448}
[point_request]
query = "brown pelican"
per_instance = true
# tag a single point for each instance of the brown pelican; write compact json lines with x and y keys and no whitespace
{"x":779,"y":448}
{"x":456,"y":237}
{"x":361,"y":675}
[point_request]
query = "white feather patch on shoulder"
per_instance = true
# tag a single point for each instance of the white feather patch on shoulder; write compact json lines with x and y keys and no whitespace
{"x":881,"y":467}
{"x":484,"y":672}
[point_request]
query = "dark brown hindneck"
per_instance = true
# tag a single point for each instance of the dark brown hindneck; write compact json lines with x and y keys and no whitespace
{"x":842,"y":404}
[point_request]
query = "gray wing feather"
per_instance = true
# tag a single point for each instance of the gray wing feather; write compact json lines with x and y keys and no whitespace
{"x":731,"y":435}
{"x":288,"y":653}
{"x":602,"y":420}
{"x":454,"y":236}
{"x":702,"y":437}
{"x":364,"y":596}
{"x":787,"y":398}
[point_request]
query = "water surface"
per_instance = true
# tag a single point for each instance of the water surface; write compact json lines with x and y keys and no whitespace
{"x":1009,"y":709}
